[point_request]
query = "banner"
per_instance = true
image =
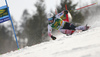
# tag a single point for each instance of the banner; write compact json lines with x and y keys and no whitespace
{"x":4,"y":16}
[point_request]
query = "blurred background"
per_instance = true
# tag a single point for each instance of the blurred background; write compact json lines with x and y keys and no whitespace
{"x":30,"y":20}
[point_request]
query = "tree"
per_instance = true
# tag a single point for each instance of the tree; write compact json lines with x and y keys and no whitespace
{"x":6,"y":41}
{"x":25,"y":17}
{"x":35,"y":25}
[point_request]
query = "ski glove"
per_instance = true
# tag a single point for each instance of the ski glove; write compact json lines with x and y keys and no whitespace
{"x":65,"y":11}
{"x":53,"y":37}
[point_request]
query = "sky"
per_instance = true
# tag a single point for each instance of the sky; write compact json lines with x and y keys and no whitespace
{"x":18,"y":6}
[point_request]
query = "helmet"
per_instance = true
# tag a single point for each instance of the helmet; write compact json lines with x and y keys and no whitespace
{"x":49,"y":15}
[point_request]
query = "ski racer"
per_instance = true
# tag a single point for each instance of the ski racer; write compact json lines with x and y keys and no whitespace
{"x":65,"y":27}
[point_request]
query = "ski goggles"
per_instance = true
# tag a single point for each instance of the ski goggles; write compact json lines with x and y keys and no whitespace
{"x":49,"y":19}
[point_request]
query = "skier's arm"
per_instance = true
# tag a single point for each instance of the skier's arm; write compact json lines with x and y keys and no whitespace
{"x":61,"y":14}
{"x":49,"y":32}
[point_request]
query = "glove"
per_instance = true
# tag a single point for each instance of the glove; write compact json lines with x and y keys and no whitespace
{"x":65,"y":11}
{"x":53,"y":38}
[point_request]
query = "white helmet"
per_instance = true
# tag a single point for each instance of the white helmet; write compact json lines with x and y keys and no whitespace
{"x":49,"y":15}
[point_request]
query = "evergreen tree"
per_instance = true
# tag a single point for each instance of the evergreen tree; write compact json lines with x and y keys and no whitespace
{"x":25,"y":17}
{"x":6,"y":40}
{"x":35,"y":25}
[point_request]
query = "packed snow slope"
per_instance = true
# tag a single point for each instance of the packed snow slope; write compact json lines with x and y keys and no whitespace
{"x":83,"y":44}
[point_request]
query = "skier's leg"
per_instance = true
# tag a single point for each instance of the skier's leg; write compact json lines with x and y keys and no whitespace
{"x":66,"y":31}
{"x":69,"y":26}
{"x":72,"y":27}
{"x":81,"y":28}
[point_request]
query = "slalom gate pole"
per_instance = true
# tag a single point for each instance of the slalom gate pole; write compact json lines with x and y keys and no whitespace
{"x":55,"y":11}
{"x":67,"y":18}
{"x":12,"y":24}
{"x":84,"y":6}
{"x":66,"y":7}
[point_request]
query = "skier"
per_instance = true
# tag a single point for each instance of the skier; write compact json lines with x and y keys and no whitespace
{"x":65,"y":27}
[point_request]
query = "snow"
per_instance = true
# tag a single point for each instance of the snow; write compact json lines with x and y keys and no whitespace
{"x":83,"y":44}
